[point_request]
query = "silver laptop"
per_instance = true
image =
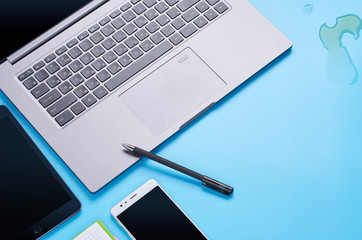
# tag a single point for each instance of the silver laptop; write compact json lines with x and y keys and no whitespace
{"x":90,"y":75}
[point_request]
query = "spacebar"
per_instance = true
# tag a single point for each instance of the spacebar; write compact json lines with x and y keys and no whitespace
{"x":138,"y":65}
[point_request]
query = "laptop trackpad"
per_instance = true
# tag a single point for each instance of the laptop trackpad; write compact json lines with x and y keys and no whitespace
{"x":172,"y":91}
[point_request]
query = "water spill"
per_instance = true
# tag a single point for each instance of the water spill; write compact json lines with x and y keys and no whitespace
{"x":340,"y":68}
{"x":308,"y":9}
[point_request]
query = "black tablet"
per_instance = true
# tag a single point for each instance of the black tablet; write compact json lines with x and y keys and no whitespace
{"x":34,"y":199}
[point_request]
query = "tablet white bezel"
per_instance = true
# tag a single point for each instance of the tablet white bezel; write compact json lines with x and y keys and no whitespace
{"x":137,"y":195}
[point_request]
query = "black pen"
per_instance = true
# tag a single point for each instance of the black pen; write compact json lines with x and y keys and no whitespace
{"x":206,"y":181}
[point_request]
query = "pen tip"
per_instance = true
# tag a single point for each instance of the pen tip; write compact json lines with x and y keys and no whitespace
{"x":128,"y":146}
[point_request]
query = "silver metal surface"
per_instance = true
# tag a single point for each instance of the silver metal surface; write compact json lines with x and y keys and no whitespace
{"x":233,"y":46}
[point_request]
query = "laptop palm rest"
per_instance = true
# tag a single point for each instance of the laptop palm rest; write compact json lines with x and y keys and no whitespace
{"x":172,"y":91}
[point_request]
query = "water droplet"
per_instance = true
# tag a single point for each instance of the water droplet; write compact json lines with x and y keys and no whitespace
{"x":308,"y":8}
{"x":340,"y":67}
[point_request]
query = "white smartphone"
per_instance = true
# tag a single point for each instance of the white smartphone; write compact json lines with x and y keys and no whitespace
{"x":149,"y":213}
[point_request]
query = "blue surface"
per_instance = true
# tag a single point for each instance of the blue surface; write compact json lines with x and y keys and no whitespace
{"x":288,"y":141}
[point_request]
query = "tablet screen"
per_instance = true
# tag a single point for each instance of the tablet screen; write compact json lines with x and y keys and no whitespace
{"x":29,"y":191}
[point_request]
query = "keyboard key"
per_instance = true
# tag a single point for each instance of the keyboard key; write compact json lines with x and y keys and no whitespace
{"x":138,"y":65}
{"x":87,"y":58}
{"x":107,"y":30}
{"x":161,"y":7}
{"x":118,"y":23}
{"x":109,"y":57}
{"x":38,"y":65}
{"x":221,"y":7}
{"x":134,"y":1}
{"x":211,"y":15}
{"x":200,"y":22}
{"x":151,"y":14}
{"x":76,"y":80}
{"x":96,"y":38}
{"x":100,"y":92}
{"x":92,"y":83}
{"x":41,"y":75}
{"x":98,"y":51}
{"x":103,"y":76}
{"x":75,"y":66}
{"x":25,"y":74}
{"x":61,"y":50}
{"x":152,"y":27}
{"x":202,"y":6}
{"x":120,"y":49}
{"x":108,"y":43}
{"x":104,"y":21}
{"x":176,"y":39}
{"x":140,"y":21}
{"x":52,"y":67}
{"x":30,"y":83}
{"x":131,"y":42}
{"x":50,"y":58}
{"x":186,"y":4}
{"x":53,"y":81}
{"x":139,"y":8}
{"x":62,"y":104}
{"x":81,"y":91}
{"x":99,"y":64}
{"x":129,"y":15}
{"x":65,"y":87}
{"x":157,"y":38}
{"x":125,"y":60}
{"x":114,"y":68}
{"x":119,"y":36}
{"x":135,"y":53}
{"x":64,"y":118}
{"x":72,"y":43}
{"x":64,"y":73}
{"x":142,"y":34}
{"x":188,"y":30}
{"x":83,"y":35}
{"x":86,"y":45}
{"x":75,"y":52}
{"x":173,"y":12}
{"x":167,"y":31}
{"x":63,"y":60}
{"x":40,"y":90}
{"x":88,"y":72}
{"x":94,"y":28}
{"x":212,"y":2}
{"x":89,"y":100}
{"x":163,"y":20}
{"x":190,"y":15}
{"x":77,"y":108}
{"x":172,"y":2}
{"x":126,"y":6}
{"x":115,"y":14}
{"x":50,"y":97}
{"x":146,"y":45}
{"x":130,"y":28}
{"x":149,"y":3}
{"x":178,"y":23}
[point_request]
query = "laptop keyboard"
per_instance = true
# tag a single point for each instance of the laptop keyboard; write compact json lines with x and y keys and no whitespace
{"x":110,"y":52}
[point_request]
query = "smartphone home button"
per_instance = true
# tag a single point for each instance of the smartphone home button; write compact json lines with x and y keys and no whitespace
{"x":37,"y":229}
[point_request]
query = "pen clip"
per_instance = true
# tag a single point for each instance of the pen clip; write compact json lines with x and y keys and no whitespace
{"x":216,"y":185}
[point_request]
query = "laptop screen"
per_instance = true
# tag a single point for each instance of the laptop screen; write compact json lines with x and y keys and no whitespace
{"x":23,"y":20}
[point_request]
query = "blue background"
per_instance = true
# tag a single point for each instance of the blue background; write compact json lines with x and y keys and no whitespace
{"x":288,"y":141}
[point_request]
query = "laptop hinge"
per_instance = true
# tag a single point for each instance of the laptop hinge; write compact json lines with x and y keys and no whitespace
{"x":53,"y":32}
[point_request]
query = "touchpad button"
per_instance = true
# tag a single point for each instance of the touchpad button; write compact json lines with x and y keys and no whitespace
{"x":172,"y":91}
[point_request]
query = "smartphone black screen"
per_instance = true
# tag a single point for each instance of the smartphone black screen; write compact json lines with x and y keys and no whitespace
{"x":155,"y":216}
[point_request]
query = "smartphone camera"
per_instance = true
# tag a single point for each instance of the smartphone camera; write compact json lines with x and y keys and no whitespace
{"x":121,"y":205}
